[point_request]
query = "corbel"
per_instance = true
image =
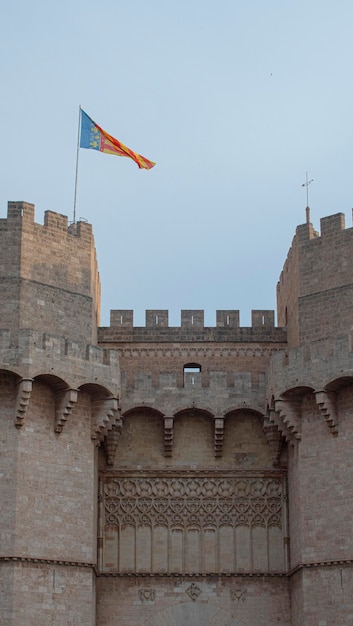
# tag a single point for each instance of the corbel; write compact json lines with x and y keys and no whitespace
{"x":24,"y":390}
{"x":218,"y":436}
{"x":274,"y":439}
{"x":103,"y":417}
{"x":111,"y":441}
{"x":289,"y":412}
{"x":64,"y":402}
{"x":168,"y":436}
{"x":326,"y":401}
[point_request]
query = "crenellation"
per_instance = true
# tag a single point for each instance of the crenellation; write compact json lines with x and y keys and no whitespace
{"x":227,"y":329}
{"x":17,"y":210}
{"x":123,"y":318}
{"x":227,"y":319}
{"x":262,"y":319}
{"x":192,"y":319}
{"x":156,"y":318}
{"x":53,"y":271}
{"x":332,"y":224}
{"x":55,"y":221}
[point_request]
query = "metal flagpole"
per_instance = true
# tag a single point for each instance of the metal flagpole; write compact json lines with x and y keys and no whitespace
{"x":78,"y":152}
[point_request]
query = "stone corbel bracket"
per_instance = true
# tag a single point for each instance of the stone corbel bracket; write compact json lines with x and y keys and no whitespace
{"x":24,"y":390}
{"x":326,"y":401}
{"x":111,"y":441}
{"x":218,"y":436}
{"x":274,"y":439}
{"x":289,"y":423}
{"x":64,"y":402}
{"x":103,"y":417}
{"x":274,"y":419}
{"x":168,"y":436}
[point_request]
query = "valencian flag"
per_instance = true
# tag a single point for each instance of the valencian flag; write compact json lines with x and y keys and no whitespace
{"x":94,"y":137}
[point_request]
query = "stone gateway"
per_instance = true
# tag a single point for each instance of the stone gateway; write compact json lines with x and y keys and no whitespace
{"x":173,"y":476}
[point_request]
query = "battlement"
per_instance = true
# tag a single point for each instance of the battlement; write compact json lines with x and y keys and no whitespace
{"x":72,"y":361}
{"x":25,"y":212}
{"x":192,"y":327}
{"x":316,"y":275}
{"x":306,"y":236}
{"x":49,"y":273}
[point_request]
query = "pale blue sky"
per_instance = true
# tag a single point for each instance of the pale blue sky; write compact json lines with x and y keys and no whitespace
{"x":235,"y":100}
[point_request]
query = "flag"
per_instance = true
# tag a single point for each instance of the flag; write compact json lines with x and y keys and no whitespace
{"x":94,"y":137}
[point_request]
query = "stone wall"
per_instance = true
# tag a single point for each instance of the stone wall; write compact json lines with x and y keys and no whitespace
{"x":38,"y":594}
{"x":180,"y":601}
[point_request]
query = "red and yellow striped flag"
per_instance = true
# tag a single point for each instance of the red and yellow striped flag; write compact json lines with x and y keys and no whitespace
{"x":94,"y":137}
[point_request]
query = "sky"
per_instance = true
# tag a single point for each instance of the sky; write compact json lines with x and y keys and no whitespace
{"x":235,"y":100}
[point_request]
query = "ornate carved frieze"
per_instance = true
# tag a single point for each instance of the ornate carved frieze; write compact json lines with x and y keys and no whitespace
{"x":192,"y":522}
{"x":193,"y":501}
{"x":24,"y":390}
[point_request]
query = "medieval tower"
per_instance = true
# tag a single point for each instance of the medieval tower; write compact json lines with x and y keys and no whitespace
{"x":173,"y":476}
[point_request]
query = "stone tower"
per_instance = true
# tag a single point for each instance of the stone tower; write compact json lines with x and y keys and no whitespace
{"x":59,"y":396}
{"x":173,"y":476}
{"x":310,"y":399}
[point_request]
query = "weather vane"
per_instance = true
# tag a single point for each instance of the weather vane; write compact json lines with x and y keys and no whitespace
{"x":306,"y":184}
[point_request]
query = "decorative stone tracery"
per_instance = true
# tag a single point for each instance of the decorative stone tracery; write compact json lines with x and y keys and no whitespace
{"x":188,"y":501}
{"x":144,"y":515}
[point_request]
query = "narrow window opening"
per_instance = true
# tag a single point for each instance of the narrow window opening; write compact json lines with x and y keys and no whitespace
{"x":156,"y":320}
{"x":263,"y":320}
{"x":228,"y":320}
{"x":191,"y":368}
{"x":121,"y":320}
{"x":192,"y":320}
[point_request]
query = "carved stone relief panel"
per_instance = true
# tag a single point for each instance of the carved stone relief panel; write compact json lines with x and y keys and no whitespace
{"x":193,"y":522}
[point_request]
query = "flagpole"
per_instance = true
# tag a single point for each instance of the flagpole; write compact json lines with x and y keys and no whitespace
{"x":78,"y":152}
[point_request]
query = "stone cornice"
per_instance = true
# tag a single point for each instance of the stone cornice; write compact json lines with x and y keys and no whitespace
{"x":190,"y":350}
{"x":193,"y":575}
{"x":93,"y":566}
{"x":192,"y":472}
{"x":41,"y":561}
{"x":319,"y":564}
